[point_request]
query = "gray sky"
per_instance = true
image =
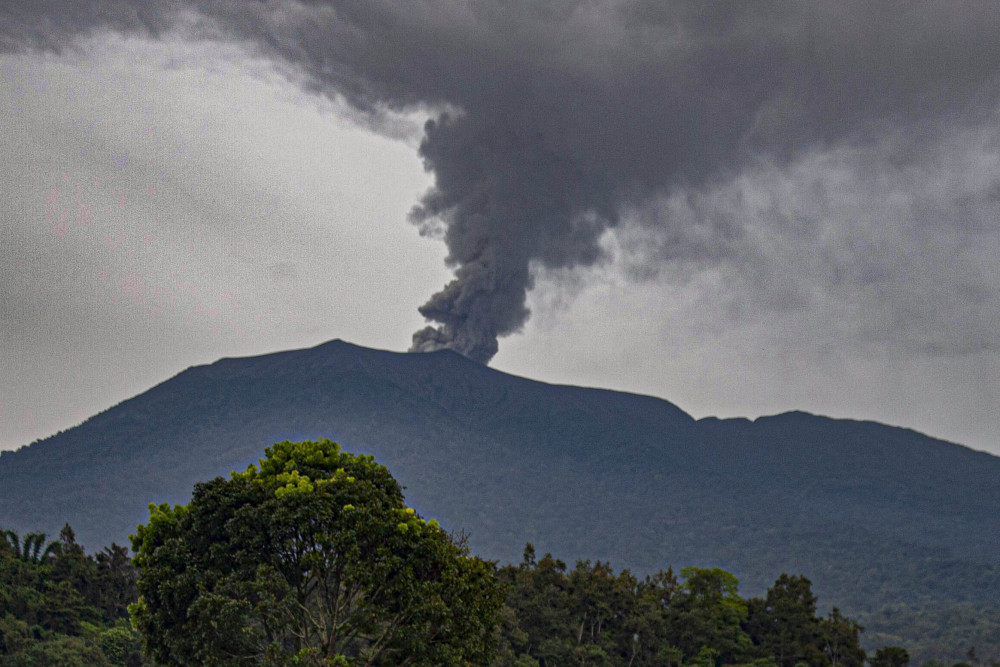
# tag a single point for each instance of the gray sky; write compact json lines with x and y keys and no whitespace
{"x":743,"y":208}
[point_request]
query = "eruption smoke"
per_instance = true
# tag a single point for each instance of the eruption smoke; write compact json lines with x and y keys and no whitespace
{"x":566,"y":114}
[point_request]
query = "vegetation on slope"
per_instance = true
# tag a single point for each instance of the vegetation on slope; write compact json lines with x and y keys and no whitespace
{"x":59,"y":606}
{"x":312,"y":558}
{"x":894,"y":528}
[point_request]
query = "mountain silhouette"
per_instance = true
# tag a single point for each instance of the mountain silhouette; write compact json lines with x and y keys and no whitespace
{"x":871,"y":513}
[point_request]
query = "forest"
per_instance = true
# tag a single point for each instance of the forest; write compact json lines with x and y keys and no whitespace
{"x":312,"y":558}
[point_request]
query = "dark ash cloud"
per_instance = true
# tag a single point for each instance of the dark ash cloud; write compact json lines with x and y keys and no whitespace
{"x":52,"y":25}
{"x":564,"y":117}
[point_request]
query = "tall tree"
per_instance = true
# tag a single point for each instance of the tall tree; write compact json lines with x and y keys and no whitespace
{"x":114,"y":586}
{"x":840,"y":640}
{"x":31,"y":548}
{"x":784,"y":624}
{"x":309,"y":559}
{"x":707,"y":612}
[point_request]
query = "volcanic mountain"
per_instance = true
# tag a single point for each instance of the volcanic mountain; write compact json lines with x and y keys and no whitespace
{"x":878,"y":517}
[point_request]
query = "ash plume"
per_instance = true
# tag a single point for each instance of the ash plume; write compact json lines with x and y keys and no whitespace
{"x":571,"y":113}
{"x":566,"y":114}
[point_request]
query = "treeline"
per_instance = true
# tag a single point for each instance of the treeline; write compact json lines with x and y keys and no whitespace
{"x":64,"y":607}
{"x":592,"y":616}
{"x":960,"y":630}
{"x":313,"y":558}
{"x":61,"y":606}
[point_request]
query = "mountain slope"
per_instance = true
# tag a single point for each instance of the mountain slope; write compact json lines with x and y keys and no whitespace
{"x":869,"y":512}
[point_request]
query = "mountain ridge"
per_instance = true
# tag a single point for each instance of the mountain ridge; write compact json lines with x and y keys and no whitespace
{"x":586,"y":473}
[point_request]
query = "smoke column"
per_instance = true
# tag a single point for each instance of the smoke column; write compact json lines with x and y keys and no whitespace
{"x":564,"y":115}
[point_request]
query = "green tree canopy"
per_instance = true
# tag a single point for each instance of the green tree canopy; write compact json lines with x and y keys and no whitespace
{"x":784,"y":623}
{"x":53,"y":608}
{"x":312,"y":558}
{"x":708,"y":612}
{"x":33,"y":548}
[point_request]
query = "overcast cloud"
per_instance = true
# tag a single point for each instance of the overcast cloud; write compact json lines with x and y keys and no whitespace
{"x":796,"y":201}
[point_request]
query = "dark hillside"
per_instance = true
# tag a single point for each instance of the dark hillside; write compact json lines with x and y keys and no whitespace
{"x":873,"y":514}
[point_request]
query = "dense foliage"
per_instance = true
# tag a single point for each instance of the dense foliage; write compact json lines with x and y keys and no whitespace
{"x":62,"y":607}
{"x":59,"y":606}
{"x":310,"y":559}
{"x":592,"y":616}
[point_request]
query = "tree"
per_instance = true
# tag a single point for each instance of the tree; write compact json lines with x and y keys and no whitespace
{"x":538,"y":623}
{"x":45,"y":618}
{"x":708,"y":612}
{"x":114,"y":582}
{"x":310,"y":559}
{"x":31,"y":549}
{"x":840,"y":640}
{"x":784,"y":624}
{"x":70,"y":563}
{"x":891,"y":656}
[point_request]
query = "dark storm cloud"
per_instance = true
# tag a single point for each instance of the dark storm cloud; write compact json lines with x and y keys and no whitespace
{"x":564,"y":116}
{"x":52,"y":24}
